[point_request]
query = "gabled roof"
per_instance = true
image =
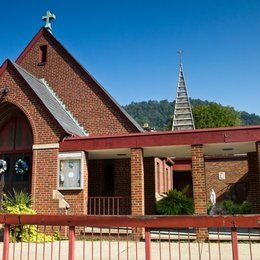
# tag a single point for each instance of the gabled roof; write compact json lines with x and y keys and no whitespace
{"x":43,"y":31}
{"x":64,"y":118}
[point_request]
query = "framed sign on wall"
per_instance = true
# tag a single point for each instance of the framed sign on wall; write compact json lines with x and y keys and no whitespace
{"x":70,"y":175}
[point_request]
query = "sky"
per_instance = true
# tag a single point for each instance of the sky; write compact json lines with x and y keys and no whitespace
{"x":131,"y":46}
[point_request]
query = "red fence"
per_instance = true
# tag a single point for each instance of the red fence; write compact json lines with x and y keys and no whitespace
{"x":114,"y":237}
{"x":108,"y":206}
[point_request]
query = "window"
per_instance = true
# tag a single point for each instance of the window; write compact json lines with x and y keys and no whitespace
{"x":70,"y":171}
{"x":42,"y":54}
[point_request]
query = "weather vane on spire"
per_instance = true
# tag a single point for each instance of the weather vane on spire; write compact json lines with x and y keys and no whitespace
{"x":180,"y":52}
{"x":48,"y":18}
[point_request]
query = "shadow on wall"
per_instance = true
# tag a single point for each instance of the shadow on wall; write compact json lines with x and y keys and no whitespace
{"x":237,"y":191}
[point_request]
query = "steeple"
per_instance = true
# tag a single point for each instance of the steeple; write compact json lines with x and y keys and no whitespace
{"x":182,"y":118}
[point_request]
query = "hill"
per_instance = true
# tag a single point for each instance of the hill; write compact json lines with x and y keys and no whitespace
{"x":158,"y":114}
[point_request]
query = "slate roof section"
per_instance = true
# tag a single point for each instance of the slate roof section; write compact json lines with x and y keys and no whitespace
{"x":87,"y":75}
{"x":52,"y":103}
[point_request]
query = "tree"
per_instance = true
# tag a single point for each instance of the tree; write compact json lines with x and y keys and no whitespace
{"x":214,"y":115}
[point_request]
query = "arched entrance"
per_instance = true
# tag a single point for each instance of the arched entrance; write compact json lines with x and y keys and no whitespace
{"x":16,"y":141}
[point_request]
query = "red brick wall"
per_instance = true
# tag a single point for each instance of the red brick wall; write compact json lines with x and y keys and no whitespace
{"x":137,"y":182}
{"x":44,"y":181}
{"x":122,"y":180}
{"x":149,"y":185}
{"x":81,"y":96}
{"x":96,"y":177}
{"x":198,"y":179}
{"x":235,"y":171}
{"x":44,"y":128}
{"x":122,"y":177}
{"x":254,"y":179}
{"x":45,"y":162}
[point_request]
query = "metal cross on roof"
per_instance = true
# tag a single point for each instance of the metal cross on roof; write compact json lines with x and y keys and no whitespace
{"x":48,"y":18}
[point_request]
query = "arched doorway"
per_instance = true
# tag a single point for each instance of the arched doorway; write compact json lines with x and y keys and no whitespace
{"x":15,"y":144}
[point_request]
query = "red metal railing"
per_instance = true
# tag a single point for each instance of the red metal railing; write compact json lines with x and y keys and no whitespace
{"x":115,"y":237}
{"x":108,"y":206}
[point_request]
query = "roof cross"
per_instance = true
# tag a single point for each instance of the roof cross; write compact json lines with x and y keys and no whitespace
{"x":48,"y":18}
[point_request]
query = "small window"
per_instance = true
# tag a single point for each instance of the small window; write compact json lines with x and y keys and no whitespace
{"x":42,"y":54}
{"x":70,"y":171}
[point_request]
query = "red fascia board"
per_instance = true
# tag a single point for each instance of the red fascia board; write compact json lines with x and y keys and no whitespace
{"x":148,"y":139}
{"x":30,"y":45}
{"x":3,"y":67}
{"x":182,"y":167}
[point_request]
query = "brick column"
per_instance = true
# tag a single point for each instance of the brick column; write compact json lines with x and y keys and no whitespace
{"x":253,"y":159}
{"x":199,"y":186}
{"x":137,"y":187}
{"x":137,"y":182}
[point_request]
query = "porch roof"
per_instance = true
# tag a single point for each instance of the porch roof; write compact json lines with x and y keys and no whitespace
{"x":216,"y":141}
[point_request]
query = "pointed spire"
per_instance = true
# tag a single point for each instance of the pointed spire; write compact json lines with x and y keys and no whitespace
{"x":182,"y":118}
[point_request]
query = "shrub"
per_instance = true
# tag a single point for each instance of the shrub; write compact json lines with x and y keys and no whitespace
{"x":20,"y":203}
{"x":230,"y":207}
{"x":175,"y":203}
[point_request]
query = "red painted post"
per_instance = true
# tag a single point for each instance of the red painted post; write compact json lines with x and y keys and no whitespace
{"x":234,"y":243}
{"x":147,"y":244}
{"x":6,"y":242}
{"x":72,"y":243}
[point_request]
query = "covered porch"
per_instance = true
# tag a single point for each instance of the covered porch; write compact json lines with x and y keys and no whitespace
{"x":133,"y":159}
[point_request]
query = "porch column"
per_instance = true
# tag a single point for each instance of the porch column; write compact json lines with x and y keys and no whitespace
{"x":199,"y":186}
{"x":137,"y":182}
{"x":253,"y":159}
{"x":137,"y":188}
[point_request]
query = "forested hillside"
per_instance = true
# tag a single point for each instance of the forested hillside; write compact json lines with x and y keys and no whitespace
{"x":158,"y":114}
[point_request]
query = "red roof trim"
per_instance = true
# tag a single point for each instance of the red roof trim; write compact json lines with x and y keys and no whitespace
{"x":191,"y":137}
{"x":30,"y":45}
{"x":3,"y":67}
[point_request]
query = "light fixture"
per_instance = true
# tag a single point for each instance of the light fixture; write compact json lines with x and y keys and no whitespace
{"x":227,"y":149}
{"x":121,"y":154}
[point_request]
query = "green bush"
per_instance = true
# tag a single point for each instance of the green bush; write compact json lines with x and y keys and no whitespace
{"x":230,"y":207}
{"x":175,"y":203}
{"x":20,"y":203}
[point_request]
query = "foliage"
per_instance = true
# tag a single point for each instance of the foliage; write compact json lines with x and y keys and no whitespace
{"x":215,"y":115}
{"x":175,"y":203}
{"x":19,"y":202}
{"x":229,"y":207}
{"x":16,"y":199}
{"x":159,"y":114}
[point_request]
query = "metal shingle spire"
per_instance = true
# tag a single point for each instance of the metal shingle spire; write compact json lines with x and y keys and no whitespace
{"x":182,"y":118}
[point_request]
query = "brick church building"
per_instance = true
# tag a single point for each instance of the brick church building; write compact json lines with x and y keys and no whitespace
{"x":60,"y":130}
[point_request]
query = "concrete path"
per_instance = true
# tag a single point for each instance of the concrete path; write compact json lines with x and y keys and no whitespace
{"x":119,"y":250}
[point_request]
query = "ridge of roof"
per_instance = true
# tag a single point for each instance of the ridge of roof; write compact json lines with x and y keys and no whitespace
{"x":44,"y":31}
{"x":50,"y":100}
